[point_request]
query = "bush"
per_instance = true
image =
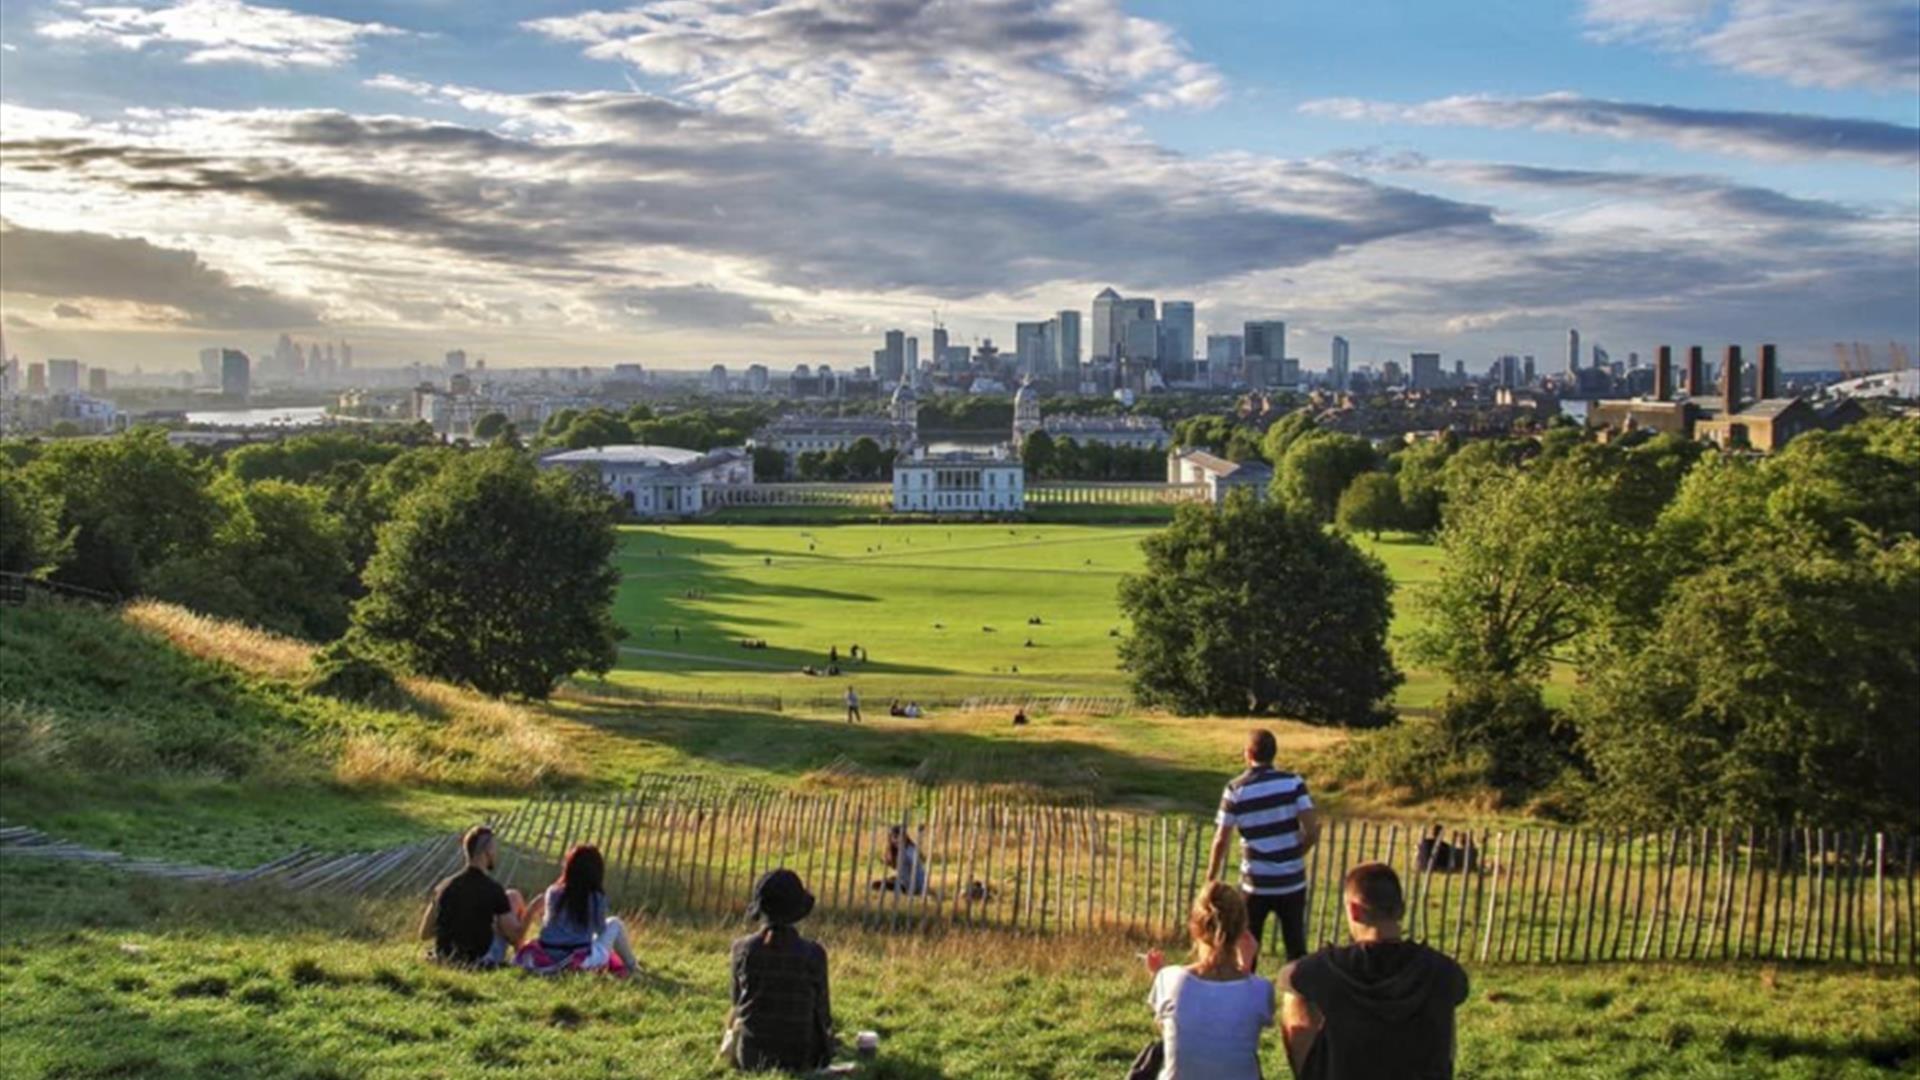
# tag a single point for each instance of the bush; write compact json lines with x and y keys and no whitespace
{"x":343,"y":671}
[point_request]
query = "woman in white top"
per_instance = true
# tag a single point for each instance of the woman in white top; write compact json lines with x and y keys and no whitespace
{"x":1211,"y":1012}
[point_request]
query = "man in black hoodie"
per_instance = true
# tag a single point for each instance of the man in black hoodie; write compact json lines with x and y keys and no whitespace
{"x":1386,"y":1005}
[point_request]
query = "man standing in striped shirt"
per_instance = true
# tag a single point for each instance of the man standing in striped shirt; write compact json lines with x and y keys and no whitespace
{"x":1277,"y":827}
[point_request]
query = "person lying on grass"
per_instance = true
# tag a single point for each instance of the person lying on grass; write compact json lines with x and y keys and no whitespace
{"x":1210,"y":1012}
{"x":1381,"y":1006}
{"x":576,"y":933}
{"x":471,"y":919}
{"x":782,"y":1014}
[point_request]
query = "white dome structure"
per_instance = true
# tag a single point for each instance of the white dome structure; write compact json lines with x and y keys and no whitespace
{"x":1026,"y":412}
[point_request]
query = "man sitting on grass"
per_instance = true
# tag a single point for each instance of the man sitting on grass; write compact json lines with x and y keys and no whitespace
{"x":471,"y":918}
{"x":1381,"y":1006}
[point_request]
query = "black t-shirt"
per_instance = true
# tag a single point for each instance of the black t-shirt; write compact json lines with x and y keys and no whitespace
{"x":1388,"y":1009}
{"x":463,"y":920}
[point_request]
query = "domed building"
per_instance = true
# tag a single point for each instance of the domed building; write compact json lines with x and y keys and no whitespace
{"x":905,"y":409}
{"x":1026,"y":413}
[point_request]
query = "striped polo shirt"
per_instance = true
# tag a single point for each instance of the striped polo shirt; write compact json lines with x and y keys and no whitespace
{"x":1265,"y":803}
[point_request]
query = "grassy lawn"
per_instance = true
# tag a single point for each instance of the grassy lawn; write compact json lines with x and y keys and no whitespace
{"x":942,"y":609}
{"x":103,"y":976}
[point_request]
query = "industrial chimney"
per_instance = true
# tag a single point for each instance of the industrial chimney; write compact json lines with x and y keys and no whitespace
{"x":1663,"y":374}
{"x":1696,"y":373}
{"x":1730,"y":379}
{"x":1767,"y":376}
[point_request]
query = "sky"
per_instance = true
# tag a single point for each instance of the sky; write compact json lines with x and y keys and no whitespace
{"x":687,"y":182}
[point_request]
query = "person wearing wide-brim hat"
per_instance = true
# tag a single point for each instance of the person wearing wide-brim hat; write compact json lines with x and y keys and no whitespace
{"x":782,"y":1016}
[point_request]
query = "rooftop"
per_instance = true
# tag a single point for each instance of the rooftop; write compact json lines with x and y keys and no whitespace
{"x":642,"y":455}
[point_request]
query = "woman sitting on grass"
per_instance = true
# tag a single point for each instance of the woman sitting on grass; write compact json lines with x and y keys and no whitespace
{"x":782,"y":1016}
{"x":903,"y":857}
{"x":576,"y":933}
{"x":1211,"y":1012}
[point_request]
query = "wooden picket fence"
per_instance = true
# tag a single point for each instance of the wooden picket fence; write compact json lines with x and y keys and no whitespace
{"x":692,"y":848}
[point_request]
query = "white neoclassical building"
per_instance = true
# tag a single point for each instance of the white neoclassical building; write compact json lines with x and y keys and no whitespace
{"x":1218,"y":475}
{"x":959,"y":483}
{"x":659,"y":481}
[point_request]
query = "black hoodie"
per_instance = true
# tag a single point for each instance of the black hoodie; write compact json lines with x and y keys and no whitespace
{"x":1388,"y":1009}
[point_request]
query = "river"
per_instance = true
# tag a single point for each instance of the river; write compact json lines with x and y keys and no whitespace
{"x":302,"y":416}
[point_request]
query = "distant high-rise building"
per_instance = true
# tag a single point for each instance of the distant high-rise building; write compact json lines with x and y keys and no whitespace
{"x":1106,"y":332}
{"x":236,"y":374}
{"x":911,"y":363}
{"x":63,"y":376}
{"x":1425,"y":370}
{"x":36,"y":378}
{"x":717,"y":379}
{"x":346,"y":357}
{"x":1066,"y":346}
{"x":890,"y":363}
{"x":1176,"y":320}
{"x":1506,"y":371}
{"x":209,"y":367}
{"x":1338,"y":364}
{"x":629,"y":373}
{"x":1032,"y":349}
{"x":939,"y":353}
{"x":1226,"y":358}
{"x":96,"y":380}
{"x":759,"y":380}
{"x":1573,"y":351}
{"x":1526,"y":370}
{"x":955,"y":357}
{"x":1140,"y":342}
{"x":1265,"y":346}
{"x":456,"y":360}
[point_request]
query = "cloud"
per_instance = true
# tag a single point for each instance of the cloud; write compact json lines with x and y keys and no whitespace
{"x":219,"y":32}
{"x":95,"y":266}
{"x":904,"y":71}
{"x":1704,"y":193}
{"x":21,"y":322}
{"x":696,"y":306}
{"x":71,"y":311}
{"x":1768,"y":135}
{"x":1828,"y":43}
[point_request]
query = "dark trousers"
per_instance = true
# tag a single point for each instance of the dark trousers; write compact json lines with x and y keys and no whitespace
{"x":1292,"y":910}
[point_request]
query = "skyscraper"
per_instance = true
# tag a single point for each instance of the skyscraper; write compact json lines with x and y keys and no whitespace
{"x":1225,"y":358}
{"x":1106,"y":339}
{"x":1176,"y":320}
{"x":1426,"y":371}
{"x":36,"y":378}
{"x":939,"y":355}
{"x":1066,"y":346}
{"x":1032,"y":349}
{"x":209,"y":367}
{"x":1338,"y":364}
{"x":1573,"y":351}
{"x":63,"y":376}
{"x":236,"y":374}
{"x":889,"y":363}
{"x":1265,"y":345}
{"x":96,"y":380}
{"x":911,"y":363}
{"x":456,"y":360}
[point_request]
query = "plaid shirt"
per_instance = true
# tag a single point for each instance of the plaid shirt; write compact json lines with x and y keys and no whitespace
{"x":780,"y":1001}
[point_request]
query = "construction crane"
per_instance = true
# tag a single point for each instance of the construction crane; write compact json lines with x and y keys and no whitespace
{"x":1897,"y":357}
{"x":1842,"y":359}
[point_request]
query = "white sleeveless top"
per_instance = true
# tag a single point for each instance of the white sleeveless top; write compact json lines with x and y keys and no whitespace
{"x":1212,"y":1029}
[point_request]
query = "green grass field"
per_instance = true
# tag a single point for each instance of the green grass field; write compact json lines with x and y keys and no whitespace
{"x":942,"y":610}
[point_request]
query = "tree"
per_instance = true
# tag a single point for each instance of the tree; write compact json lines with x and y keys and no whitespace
{"x":31,"y":542}
{"x":595,"y":427}
{"x":1317,"y":468}
{"x":1371,"y":503}
{"x":1039,"y":455}
{"x":1776,"y":688}
{"x":1254,"y":608}
{"x":128,"y":503}
{"x":1285,"y":432}
{"x":866,"y":461}
{"x":769,"y":464}
{"x":304,"y":459}
{"x":496,"y":575}
{"x":1420,"y":471}
{"x":278,"y":559}
{"x":491,"y":426}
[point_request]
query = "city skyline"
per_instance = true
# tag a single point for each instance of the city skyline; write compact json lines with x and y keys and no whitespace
{"x":784,"y":181}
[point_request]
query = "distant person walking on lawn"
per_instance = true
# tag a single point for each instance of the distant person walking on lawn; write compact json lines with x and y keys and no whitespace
{"x":1381,"y":1006}
{"x":1271,"y":811}
{"x":853,"y":706}
{"x":471,"y":918}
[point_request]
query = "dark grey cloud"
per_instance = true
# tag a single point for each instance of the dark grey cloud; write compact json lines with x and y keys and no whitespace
{"x":807,"y":213}
{"x":1748,"y":133}
{"x":697,"y":306}
{"x":70,"y":266}
{"x":71,"y":311}
{"x":1740,"y":200}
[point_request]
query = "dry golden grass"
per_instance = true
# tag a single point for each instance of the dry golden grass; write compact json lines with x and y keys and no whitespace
{"x":255,"y":651}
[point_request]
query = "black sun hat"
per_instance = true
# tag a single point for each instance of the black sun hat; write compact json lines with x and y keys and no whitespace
{"x":779,"y":898}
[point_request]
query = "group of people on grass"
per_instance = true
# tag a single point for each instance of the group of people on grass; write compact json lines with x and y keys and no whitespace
{"x":1380,"y":1006}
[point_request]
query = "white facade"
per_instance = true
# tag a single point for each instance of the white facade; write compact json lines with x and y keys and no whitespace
{"x":1136,"y":432}
{"x":659,"y":481}
{"x":959,"y":484}
{"x":796,"y":435}
{"x":1220,"y":476}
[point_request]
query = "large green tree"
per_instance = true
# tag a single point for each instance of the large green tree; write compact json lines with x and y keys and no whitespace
{"x":278,"y":558}
{"x":129,"y":504}
{"x":1254,"y":608}
{"x":496,"y":575}
{"x":1317,"y":467}
{"x":30,"y":539}
{"x":1370,"y":504}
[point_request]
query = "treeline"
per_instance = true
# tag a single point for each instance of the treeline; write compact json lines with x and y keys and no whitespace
{"x":693,"y":429}
{"x":468,"y":565}
{"x":1047,"y":458}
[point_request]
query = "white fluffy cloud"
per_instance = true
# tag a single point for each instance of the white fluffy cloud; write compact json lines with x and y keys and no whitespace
{"x":218,"y":32}
{"x":1829,"y":43}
